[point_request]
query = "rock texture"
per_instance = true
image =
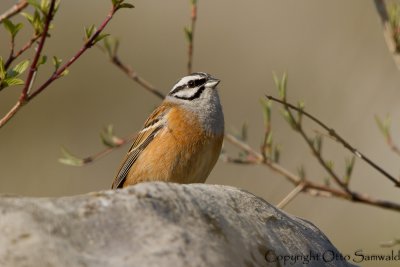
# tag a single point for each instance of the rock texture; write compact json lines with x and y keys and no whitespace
{"x":157,"y":224}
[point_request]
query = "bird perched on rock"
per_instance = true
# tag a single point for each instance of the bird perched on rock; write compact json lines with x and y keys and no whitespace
{"x":181,"y":140}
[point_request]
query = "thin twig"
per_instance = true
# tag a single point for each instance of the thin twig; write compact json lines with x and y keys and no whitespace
{"x":88,"y":44}
{"x":310,"y":187}
{"x":33,"y":67}
{"x":15,"y":9}
{"x":24,"y":94}
{"x":297,"y":190}
{"x":388,"y":32}
{"x":128,"y":70}
{"x":25,"y":97}
{"x":21,"y":51}
{"x":123,"y":141}
{"x":191,"y":39}
{"x":339,"y":139}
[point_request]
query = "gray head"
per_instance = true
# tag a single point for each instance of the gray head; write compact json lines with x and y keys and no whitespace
{"x":197,"y":92}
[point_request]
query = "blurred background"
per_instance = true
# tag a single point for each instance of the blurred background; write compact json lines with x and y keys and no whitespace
{"x":333,"y":52}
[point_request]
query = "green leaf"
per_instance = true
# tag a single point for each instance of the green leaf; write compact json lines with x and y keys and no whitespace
{"x":281,"y":84}
{"x":56,"y":62}
{"x":100,"y":37}
{"x":69,"y":159}
{"x":188,"y":34}
{"x":125,"y":5}
{"x":28,"y":16}
{"x":13,"y":29}
{"x":194,"y":2}
{"x":349,"y":168}
{"x":42,"y":60}
{"x":111,"y":45}
{"x":288,"y":117}
{"x":35,"y":4}
{"x":89,"y":31}
{"x":12,"y":81}
{"x":108,"y":137}
{"x":21,"y":67}
{"x":384,"y":126}
{"x":64,"y":73}
{"x":2,"y":69}
{"x":266,"y":106}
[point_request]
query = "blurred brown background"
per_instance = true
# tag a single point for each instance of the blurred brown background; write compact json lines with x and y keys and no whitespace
{"x":337,"y":63}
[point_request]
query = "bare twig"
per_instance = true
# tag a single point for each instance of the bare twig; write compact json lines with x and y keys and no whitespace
{"x":128,"y":70}
{"x":33,"y":68}
{"x":190,"y":36}
{"x":310,"y":187}
{"x":339,"y":139}
{"x":15,"y":9}
{"x":388,"y":31}
{"x":297,"y":190}
{"x":28,"y":45}
{"x":106,"y":151}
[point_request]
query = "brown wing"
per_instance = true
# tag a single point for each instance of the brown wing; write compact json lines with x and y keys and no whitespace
{"x":151,"y":127}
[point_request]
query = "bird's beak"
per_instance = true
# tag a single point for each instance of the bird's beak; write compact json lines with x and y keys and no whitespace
{"x":212,"y":82}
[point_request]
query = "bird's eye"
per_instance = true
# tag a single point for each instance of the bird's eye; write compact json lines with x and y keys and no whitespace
{"x":191,"y":83}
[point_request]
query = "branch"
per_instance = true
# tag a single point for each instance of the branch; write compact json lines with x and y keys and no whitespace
{"x":128,"y":70}
{"x":21,"y":51}
{"x":15,"y":9}
{"x":310,"y":187}
{"x":33,"y":67}
{"x":25,"y":96}
{"x":388,"y":31}
{"x":190,"y":36}
{"x":339,"y":139}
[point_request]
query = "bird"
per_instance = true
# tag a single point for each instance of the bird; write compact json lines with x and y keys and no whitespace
{"x":181,"y":139}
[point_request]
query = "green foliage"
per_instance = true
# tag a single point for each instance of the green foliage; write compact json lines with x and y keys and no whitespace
{"x":38,"y":19}
{"x":12,"y":28}
{"x":281,"y":85}
{"x":349,"y":168}
{"x":300,"y":105}
{"x":10,"y":77}
{"x":188,"y":34}
{"x":384,"y":126}
{"x":108,"y":137}
{"x":118,"y":4}
{"x":89,"y":34}
{"x":394,"y":21}
{"x":35,"y":21}
{"x":266,"y":107}
{"x":289,"y":118}
{"x":69,"y":159}
{"x":111,"y":45}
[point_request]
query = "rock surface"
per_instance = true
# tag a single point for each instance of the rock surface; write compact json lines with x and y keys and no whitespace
{"x":157,"y":224}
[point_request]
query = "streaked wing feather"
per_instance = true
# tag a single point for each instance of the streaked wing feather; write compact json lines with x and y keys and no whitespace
{"x":140,"y":142}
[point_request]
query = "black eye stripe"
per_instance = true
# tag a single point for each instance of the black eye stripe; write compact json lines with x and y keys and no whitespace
{"x":196,"y":95}
{"x":189,"y":84}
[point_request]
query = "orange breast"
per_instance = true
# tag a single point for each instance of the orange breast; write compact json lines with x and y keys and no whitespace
{"x":181,"y":152}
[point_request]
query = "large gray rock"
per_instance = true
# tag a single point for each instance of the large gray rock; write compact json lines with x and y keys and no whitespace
{"x":157,"y":224}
